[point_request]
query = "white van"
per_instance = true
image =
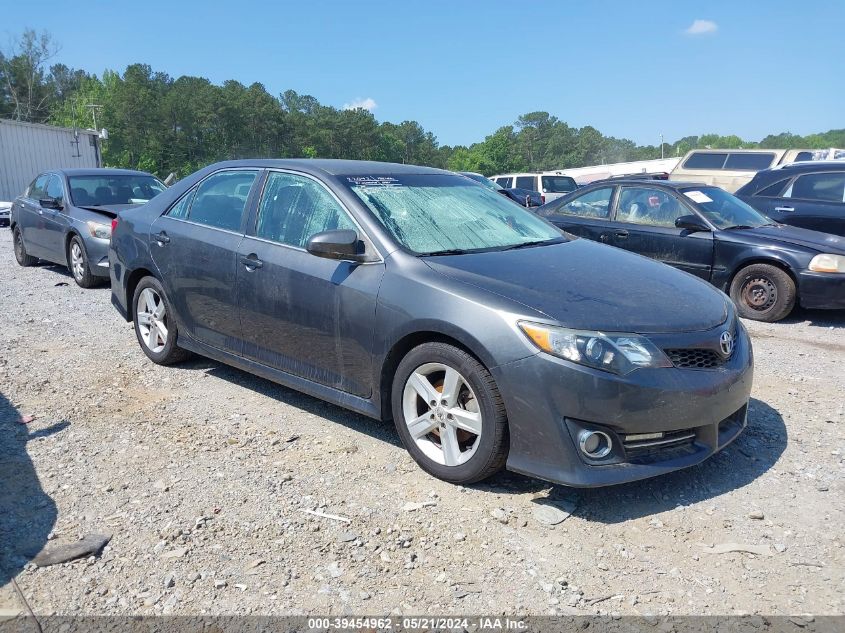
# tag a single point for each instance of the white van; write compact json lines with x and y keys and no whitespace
{"x":550,"y":184}
{"x":730,"y":169}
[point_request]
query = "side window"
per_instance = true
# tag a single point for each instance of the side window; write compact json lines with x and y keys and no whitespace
{"x":825,"y":187}
{"x":774,"y":190}
{"x":55,"y":189}
{"x":654,"y":207}
{"x":219,"y":200}
{"x":504,"y":182}
{"x":751,"y":161}
{"x":38,"y":189}
{"x":526,"y":182}
{"x":706,"y":160}
{"x":293,"y":208}
{"x":595,"y":204}
{"x":181,"y":208}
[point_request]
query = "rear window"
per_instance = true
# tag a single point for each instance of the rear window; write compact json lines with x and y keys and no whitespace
{"x":558,"y":184}
{"x":706,"y":160}
{"x":751,"y":162}
{"x":526,"y":182}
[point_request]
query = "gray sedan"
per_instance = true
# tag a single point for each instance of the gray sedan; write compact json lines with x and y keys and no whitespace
{"x":490,"y":337}
{"x":65,"y":216}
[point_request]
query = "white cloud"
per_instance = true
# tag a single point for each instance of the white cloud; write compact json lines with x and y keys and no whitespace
{"x":701,"y":27}
{"x":367,"y":104}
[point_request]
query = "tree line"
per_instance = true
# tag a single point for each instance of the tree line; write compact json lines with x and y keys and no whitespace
{"x":160,"y":124}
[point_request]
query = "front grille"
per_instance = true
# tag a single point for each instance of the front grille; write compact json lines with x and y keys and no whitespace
{"x":648,"y":441}
{"x":695,"y":358}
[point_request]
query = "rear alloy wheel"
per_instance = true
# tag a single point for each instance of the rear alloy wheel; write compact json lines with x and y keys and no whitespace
{"x":78,"y":264}
{"x":155,"y":330}
{"x":763,"y":292}
{"x":20,"y":250}
{"x":449,"y":414}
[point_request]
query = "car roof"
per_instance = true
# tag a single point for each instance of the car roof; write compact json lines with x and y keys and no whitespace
{"x":810,"y":165}
{"x":664,"y":184}
{"x":333,"y":166}
{"x":98,"y":171}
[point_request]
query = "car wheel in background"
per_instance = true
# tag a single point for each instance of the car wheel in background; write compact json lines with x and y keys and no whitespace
{"x":763,"y":292}
{"x":20,"y":250}
{"x":77,"y":262}
{"x":154,"y":326}
{"x":449,"y":414}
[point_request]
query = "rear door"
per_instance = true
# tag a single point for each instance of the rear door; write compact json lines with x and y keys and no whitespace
{"x":194,"y":245}
{"x":306,"y":315}
{"x":812,"y":201}
{"x":645,"y":225}
{"x":587,"y":216}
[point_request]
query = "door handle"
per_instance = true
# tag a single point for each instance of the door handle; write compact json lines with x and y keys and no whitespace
{"x":162,"y":238}
{"x":784,"y":208}
{"x":621,"y":234}
{"x":251,"y":261}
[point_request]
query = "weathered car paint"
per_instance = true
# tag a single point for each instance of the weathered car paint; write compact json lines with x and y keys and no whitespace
{"x":371,"y":313}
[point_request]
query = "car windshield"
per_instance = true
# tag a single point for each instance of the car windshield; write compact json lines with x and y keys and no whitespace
{"x":100,"y":190}
{"x":724,"y":210}
{"x":438,"y":214}
{"x":484,"y":181}
{"x":559,"y":184}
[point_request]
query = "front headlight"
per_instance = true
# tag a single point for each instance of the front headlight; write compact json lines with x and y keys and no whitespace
{"x":826,"y":263}
{"x":614,"y":352}
{"x":103,"y":231}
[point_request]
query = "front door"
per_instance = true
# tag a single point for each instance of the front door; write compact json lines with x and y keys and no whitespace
{"x":302,"y":314}
{"x":31,"y":218}
{"x":56,"y":222}
{"x":645,"y":224}
{"x":195,"y":246}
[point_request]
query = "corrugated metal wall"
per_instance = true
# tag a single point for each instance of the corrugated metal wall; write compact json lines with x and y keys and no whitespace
{"x":26,"y":149}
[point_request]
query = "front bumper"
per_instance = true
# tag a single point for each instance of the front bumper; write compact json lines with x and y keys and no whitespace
{"x":821,"y":290}
{"x":550,"y":400}
{"x":97,"y":250}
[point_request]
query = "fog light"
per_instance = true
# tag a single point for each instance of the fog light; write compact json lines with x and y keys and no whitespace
{"x":594,"y":444}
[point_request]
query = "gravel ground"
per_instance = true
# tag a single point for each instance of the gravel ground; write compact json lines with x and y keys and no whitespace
{"x":203,"y":475}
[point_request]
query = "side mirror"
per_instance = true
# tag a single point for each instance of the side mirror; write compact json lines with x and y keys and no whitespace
{"x":338,"y":244}
{"x":691,"y":223}
{"x":50,"y":203}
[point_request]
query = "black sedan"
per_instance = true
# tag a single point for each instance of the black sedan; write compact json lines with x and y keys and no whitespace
{"x":414,"y":294}
{"x":523,"y":197}
{"x":765,"y":266}
{"x":809,"y":194}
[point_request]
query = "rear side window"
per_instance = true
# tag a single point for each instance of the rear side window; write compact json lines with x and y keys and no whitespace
{"x":293,"y":208}
{"x":826,"y":187}
{"x":220,"y":199}
{"x":526,"y":182}
{"x":594,"y":204}
{"x":181,"y":208}
{"x":558,"y":184}
{"x":750,"y":161}
{"x":504,"y":182}
{"x":706,"y":160}
{"x":773,"y":191}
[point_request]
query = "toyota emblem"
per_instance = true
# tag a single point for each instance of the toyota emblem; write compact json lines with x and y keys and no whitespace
{"x":726,"y":343}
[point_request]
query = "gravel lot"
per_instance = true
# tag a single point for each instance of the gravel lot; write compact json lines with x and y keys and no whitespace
{"x":202,"y":475}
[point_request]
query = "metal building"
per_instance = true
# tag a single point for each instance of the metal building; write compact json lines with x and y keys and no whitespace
{"x":26,"y":149}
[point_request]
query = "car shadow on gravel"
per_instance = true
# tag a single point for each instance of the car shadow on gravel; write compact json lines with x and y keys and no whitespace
{"x":818,"y":318}
{"x":27,"y":513}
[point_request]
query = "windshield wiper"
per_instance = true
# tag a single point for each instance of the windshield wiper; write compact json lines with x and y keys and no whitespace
{"x":527,"y":244}
{"x":741,"y":226}
{"x":446,"y":251}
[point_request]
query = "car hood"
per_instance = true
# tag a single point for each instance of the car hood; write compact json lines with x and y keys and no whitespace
{"x":584,"y":285}
{"x":111,"y":210}
{"x":785,"y":234}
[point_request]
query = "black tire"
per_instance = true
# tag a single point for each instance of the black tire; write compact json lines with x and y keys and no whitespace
{"x":20,"y":250}
{"x":170,"y":352}
{"x":81,"y":275}
{"x":492,"y":444}
{"x":763,"y":292}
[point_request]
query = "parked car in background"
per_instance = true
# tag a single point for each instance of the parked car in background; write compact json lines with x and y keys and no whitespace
{"x":524,"y":197}
{"x":64,"y":217}
{"x":412,"y":293}
{"x":810,"y":195}
{"x":549,"y":184}
{"x":730,"y":169}
{"x":765,"y":267}
{"x":5,"y":213}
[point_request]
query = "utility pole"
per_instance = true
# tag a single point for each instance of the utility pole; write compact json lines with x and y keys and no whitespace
{"x":94,"y":107}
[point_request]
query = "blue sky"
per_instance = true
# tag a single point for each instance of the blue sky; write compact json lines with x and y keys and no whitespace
{"x":463,"y":68}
